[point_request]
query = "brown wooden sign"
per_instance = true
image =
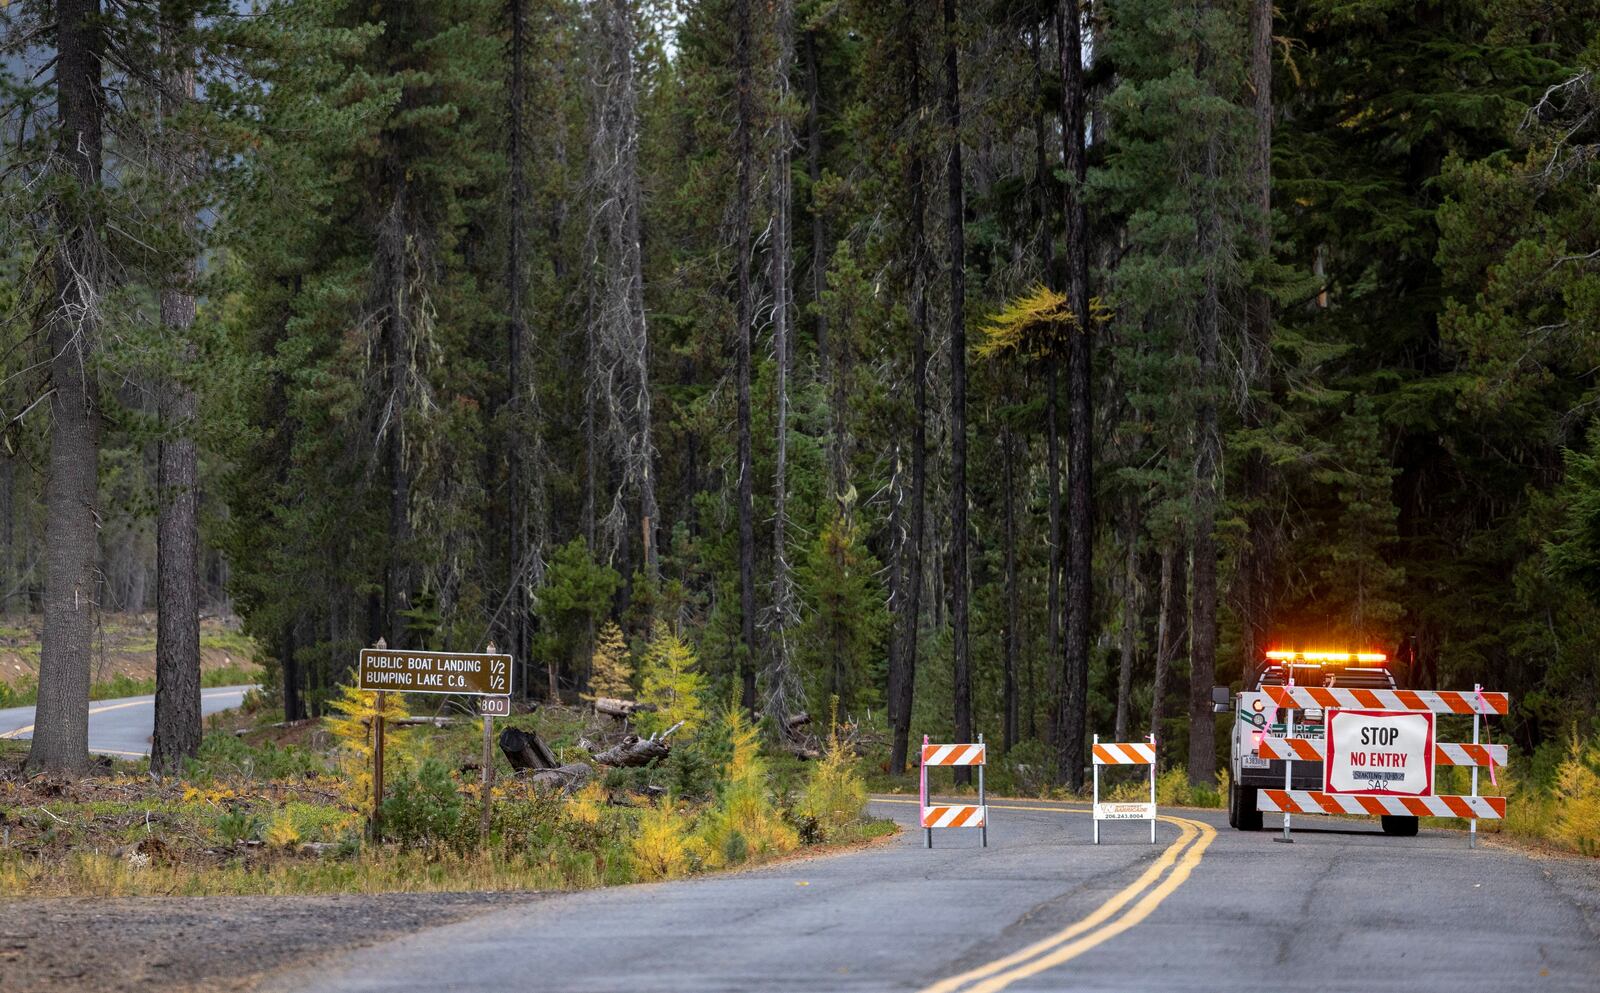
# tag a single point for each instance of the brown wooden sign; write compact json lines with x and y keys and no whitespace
{"x":405,"y":671}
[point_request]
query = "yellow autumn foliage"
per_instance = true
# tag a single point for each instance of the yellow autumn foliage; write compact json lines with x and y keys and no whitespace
{"x":744,"y":822}
{"x":835,"y":795}
{"x":611,"y":671}
{"x":672,"y":683}
{"x":1034,"y":326}
{"x":353,"y":731}
{"x":1577,"y":798}
{"x":587,"y":805}
{"x":659,"y":848}
{"x":282,"y":832}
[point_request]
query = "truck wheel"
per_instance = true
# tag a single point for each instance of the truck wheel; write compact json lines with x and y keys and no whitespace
{"x":1242,"y":812}
{"x":1399,"y":827}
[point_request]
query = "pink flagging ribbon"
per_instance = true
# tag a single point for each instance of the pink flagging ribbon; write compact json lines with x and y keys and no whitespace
{"x":1478,"y":689}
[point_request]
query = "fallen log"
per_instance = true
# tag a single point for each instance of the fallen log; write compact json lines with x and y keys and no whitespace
{"x":569,"y":777}
{"x":633,"y":751}
{"x":801,"y":749}
{"x":524,"y":750}
{"x":615,"y":707}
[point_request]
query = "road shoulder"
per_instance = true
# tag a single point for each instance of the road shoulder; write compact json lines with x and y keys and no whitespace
{"x":178,"y":944}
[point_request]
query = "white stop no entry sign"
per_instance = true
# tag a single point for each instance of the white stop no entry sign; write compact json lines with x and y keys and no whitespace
{"x":1379,"y":753}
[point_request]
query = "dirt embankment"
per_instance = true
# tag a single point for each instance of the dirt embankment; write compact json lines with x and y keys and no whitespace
{"x":125,"y":646}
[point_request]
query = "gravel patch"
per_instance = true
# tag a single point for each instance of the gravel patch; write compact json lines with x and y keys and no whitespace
{"x":181,"y":944}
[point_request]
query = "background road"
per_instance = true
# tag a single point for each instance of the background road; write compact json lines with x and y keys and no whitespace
{"x":1205,"y":909}
{"x":122,"y":727}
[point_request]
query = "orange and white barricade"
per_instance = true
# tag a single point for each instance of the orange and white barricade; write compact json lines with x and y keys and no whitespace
{"x":954,"y":815}
{"x":1367,"y":782}
{"x":1125,"y":753}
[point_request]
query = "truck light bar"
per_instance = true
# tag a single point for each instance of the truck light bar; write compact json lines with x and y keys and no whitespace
{"x":1288,"y":656}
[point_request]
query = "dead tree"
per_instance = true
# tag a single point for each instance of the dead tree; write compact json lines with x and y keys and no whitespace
{"x":783,"y":691}
{"x":621,"y":357}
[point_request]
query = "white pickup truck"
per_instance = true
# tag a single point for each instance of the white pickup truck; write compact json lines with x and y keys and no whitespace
{"x":1256,"y":714}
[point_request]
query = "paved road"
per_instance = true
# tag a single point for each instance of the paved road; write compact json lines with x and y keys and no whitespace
{"x":122,"y":727}
{"x":1205,"y":909}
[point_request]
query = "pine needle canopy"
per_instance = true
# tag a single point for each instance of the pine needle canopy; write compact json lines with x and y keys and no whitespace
{"x":1034,"y":326}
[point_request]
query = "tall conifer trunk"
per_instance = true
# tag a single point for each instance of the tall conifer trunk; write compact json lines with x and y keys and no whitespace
{"x":784,"y":693}
{"x":294,"y":707}
{"x":1080,"y":417}
{"x":516,"y":337}
{"x":1169,"y":627}
{"x":177,"y":705}
{"x":1257,"y":570}
{"x":61,"y":732}
{"x":397,"y":586}
{"x":1047,"y":264}
{"x":1013,"y":607}
{"x":1207,"y":468}
{"x":1132,"y":608}
{"x":743,"y":331}
{"x":955,"y":222}
{"x":903,"y":664}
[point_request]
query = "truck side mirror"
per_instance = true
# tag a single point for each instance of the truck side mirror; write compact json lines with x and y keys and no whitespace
{"x":1221,"y":699}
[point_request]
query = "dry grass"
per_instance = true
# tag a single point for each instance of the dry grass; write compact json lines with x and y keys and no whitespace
{"x":280,"y":821}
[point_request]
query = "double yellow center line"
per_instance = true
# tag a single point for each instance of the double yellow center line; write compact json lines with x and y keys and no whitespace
{"x":1122,"y":911}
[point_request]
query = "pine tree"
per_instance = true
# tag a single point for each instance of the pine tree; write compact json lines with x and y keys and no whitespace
{"x":673,"y":683}
{"x":72,"y":330}
{"x":611,"y":670}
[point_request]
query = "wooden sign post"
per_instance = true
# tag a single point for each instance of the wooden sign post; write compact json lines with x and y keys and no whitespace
{"x":488,"y":706}
{"x":385,"y":670}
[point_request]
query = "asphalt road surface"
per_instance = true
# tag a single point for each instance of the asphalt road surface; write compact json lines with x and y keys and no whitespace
{"x":1206,"y":908}
{"x":122,"y":727}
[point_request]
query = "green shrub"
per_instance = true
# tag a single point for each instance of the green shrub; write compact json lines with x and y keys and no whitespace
{"x":424,"y":807}
{"x":24,"y":693}
{"x":233,"y":826}
{"x":224,"y":756}
{"x":690,"y":771}
{"x":1174,"y":790}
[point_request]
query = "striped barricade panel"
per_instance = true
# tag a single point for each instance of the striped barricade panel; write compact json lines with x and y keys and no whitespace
{"x":954,"y":754}
{"x":1124,"y":753}
{"x":1436,"y":701}
{"x":954,"y":815}
{"x":1317,"y":802}
{"x":1444,"y":753}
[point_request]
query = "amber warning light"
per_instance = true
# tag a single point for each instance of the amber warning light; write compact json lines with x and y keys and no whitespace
{"x":1288,"y":656}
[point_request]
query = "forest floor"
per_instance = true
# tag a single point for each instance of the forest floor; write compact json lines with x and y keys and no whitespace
{"x":124,"y":659}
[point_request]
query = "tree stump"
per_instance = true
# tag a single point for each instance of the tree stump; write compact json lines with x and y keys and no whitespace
{"x":524,"y":750}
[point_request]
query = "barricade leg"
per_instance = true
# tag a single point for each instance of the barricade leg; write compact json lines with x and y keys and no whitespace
{"x":1152,"y":789}
{"x":1472,"y":825}
{"x":1094,"y":810}
{"x":922,"y":808}
{"x":981,"y":802}
{"x":1288,"y":764}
